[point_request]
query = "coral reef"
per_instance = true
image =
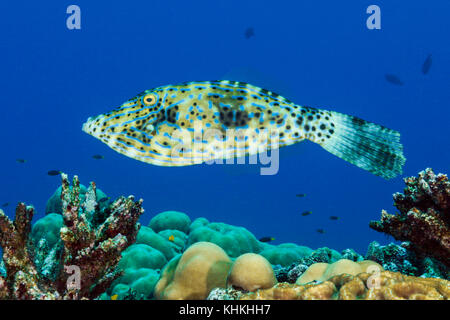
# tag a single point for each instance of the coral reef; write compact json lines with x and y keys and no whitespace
{"x":399,"y":258}
{"x":234,"y":240}
{"x":251,"y":271}
{"x":55,"y":205}
{"x":173,"y":220}
{"x":424,"y":218}
{"x":385,"y":285}
{"x":202,"y":267}
{"x":83,"y":263}
{"x":285,"y":254}
{"x":323,"y":271}
{"x":291,"y":272}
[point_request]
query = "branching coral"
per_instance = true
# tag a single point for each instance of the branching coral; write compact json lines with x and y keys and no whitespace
{"x":83,"y":264}
{"x":424,"y":217}
{"x":386,"y":285}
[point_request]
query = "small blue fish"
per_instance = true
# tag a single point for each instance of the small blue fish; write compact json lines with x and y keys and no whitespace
{"x":266,"y":239}
{"x":393,"y":79}
{"x":249,"y":33}
{"x":427,"y":65}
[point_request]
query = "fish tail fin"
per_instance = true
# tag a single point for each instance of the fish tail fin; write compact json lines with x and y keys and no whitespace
{"x":367,"y":145}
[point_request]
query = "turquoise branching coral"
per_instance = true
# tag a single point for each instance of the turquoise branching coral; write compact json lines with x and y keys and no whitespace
{"x":82,"y":264}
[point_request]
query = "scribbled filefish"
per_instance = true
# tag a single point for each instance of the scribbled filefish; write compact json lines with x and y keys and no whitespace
{"x":188,"y":123}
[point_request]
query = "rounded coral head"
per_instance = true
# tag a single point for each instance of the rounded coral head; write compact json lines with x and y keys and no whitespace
{"x":250,"y":272}
{"x":202,"y":267}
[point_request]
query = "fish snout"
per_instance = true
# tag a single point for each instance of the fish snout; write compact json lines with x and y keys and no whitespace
{"x":91,"y":125}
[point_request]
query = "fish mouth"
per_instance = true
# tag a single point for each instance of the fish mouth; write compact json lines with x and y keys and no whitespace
{"x":87,"y":125}
{"x":91,"y":125}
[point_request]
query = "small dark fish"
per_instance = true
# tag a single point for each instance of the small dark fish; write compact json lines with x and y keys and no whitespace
{"x":320,"y":231}
{"x":103,"y":199}
{"x":266,"y":239}
{"x":427,"y":64}
{"x":306,"y":213}
{"x":5,"y":205}
{"x":98,"y":156}
{"x":249,"y":33}
{"x":334,"y":217}
{"x":393,"y":79}
{"x":300,"y":195}
{"x":54,"y":173}
{"x":21,"y":160}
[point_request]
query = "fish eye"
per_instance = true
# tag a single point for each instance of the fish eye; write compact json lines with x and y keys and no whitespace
{"x":150,"y":99}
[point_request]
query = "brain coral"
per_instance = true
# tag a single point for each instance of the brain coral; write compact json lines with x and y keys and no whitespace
{"x":234,"y":240}
{"x":325,"y":271}
{"x":170,"y":220}
{"x":202,"y":267}
{"x":386,"y":285}
{"x":251,"y":271}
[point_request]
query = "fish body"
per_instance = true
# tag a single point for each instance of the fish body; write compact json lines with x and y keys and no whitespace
{"x":393,"y":79}
{"x":98,"y":157}
{"x":197,"y":122}
{"x":300,"y":195}
{"x":427,"y":64}
{"x":321,"y":231}
{"x":306,"y":213}
{"x":266,"y":239}
{"x":172,"y":238}
{"x":334,"y":218}
{"x":249,"y":33}
{"x":54,"y":173}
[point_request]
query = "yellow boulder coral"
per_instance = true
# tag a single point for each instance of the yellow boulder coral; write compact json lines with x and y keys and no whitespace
{"x":385,"y":285}
{"x":251,"y":271}
{"x":202,"y":267}
{"x":325,"y":271}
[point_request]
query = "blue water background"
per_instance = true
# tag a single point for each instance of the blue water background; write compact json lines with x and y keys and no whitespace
{"x":316,"y":53}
